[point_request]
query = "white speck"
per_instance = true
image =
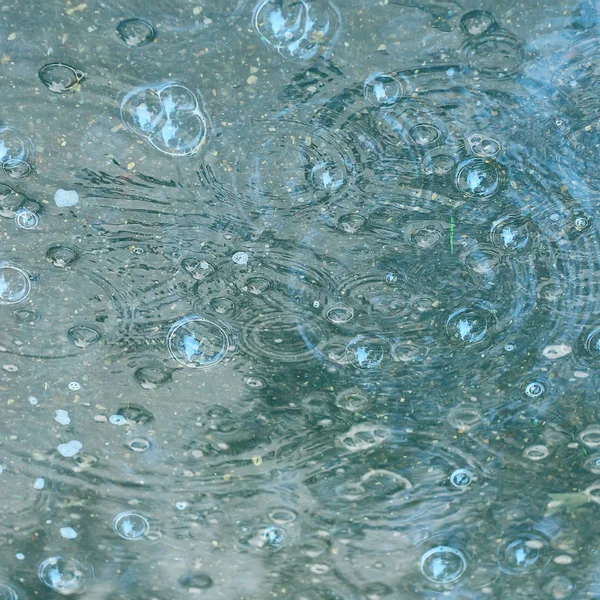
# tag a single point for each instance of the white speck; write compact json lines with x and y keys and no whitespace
{"x":33,"y":400}
{"x":66,"y":198}
{"x":240,"y":258}
{"x":74,"y":386}
{"x":20,"y":556}
{"x":450,"y":72}
{"x":117,"y":419}
{"x":70,"y":448}
{"x":68,"y":533}
{"x":39,"y":483}
{"x":181,"y":505}
{"x":62,"y":417}
{"x":316,"y":304}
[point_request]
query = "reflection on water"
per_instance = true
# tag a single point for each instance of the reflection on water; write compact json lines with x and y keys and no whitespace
{"x":300,"y":299}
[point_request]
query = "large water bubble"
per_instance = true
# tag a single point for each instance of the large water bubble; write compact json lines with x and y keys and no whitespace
{"x":15,"y":284}
{"x":64,"y":575}
{"x":197,"y":342}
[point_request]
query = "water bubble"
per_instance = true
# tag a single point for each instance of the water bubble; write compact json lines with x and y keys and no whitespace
{"x":16,"y":152}
{"x":340,"y":314}
{"x":590,"y":436}
{"x":535,"y":453}
{"x":8,"y":593}
{"x":69,"y":449}
{"x":136,"y":32}
{"x":383,"y":89}
{"x":591,"y":344}
{"x":139,"y":444}
{"x":255,"y":383}
{"x":118,"y":420}
{"x":535,"y":389}
{"x":26,"y":219}
{"x":444,"y":565}
{"x":469,"y":325}
{"x":462,"y":479}
{"x":67,"y":576}
{"x":257,"y":285}
{"x":83,"y":336}
{"x":15,"y":284}
{"x":152,"y":377}
{"x":477,"y":22}
{"x":282,"y":516}
{"x":352,"y":400}
{"x":327,"y":175}
{"x":426,"y":236}
{"x":169,"y":116}
{"x":479,"y":178}
{"x":197,"y":342}
{"x":222,"y":305}
{"x":494,"y":55}
{"x":484,"y":147}
{"x":522,"y":552}
{"x":271,"y":536}
{"x":60,"y":78}
{"x":131,"y":525}
{"x":136,"y":414}
{"x":367,"y":352}
{"x":240,"y":258}
{"x":296,"y":28}
{"x":61,"y":256}
{"x":68,"y":533}
{"x":424,"y":134}
{"x":439,"y":162}
{"x":74,"y":386}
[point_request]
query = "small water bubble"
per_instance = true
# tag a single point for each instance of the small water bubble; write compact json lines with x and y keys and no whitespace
{"x":181,"y":505}
{"x":535,"y":389}
{"x":131,"y":525}
{"x":522,"y":552}
{"x":479,"y":178}
{"x":136,"y":32}
{"x":118,"y":420}
{"x":15,"y":284}
{"x":477,"y":22}
{"x":26,"y":219}
{"x":64,"y":575}
{"x":74,"y":386}
{"x":444,"y":565}
{"x":32,"y":400}
{"x":484,"y":147}
{"x":364,"y":436}
{"x":462,"y":479}
{"x":255,"y":382}
{"x":368,"y":352}
{"x":60,"y":78}
{"x":383,"y":90}
{"x":240,"y":258}
{"x":590,"y":436}
{"x":271,"y":536}
{"x":509,"y":347}
{"x":340,"y":314}
{"x":197,"y":342}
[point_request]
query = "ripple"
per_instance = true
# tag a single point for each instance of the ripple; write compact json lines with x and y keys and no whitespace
{"x":65,"y":575}
{"x":169,"y":116}
{"x":520,"y":553}
{"x":297,"y":28}
{"x":136,"y":32}
{"x":197,"y":342}
{"x":283,"y":337}
{"x":60,"y":78}
{"x":15,"y":284}
{"x":495,"y":55}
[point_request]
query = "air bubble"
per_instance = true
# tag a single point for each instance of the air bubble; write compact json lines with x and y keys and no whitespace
{"x":240,"y":258}
{"x":367,"y":352}
{"x":484,"y":147}
{"x":479,"y":178}
{"x":477,"y":22}
{"x":383,"y":90}
{"x":61,"y":256}
{"x":535,"y":453}
{"x":464,"y":417}
{"x":351,"y":223}
{"x":196,"y":342}
{"x":60,"y":78}
{"x":26,"y":219}
{"x":118,"y":420}
{"x":139,"y":444}
{"x":340,"y":314}
{"x":67,"y":576}
{"x":462,"y":479}
{"x":15,"y":284}
{"x":74,"y":386}
{"x":444,"y":565}
{"x":83,"y":336}
{"x":469,"y":325}
{"x":510,"y":233}
{"x":522,"y":553}
{"x":136,"y":32}
{"x":131,"y":525}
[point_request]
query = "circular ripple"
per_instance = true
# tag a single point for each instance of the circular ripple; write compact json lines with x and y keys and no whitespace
{"x":15,"y":284}
{"x":64,"y":575}
{"x":520,"y":553}
{"x":496,"y":55}
{"x":169,"y":116}
{"x":196,"y":342}
{"x":60,"y":78}
{"x":136,"y":32}
{"x":444,"y":565}
{"x":16,"y":153}
{"x":297,"y":28}
{"x":283,"y":337}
